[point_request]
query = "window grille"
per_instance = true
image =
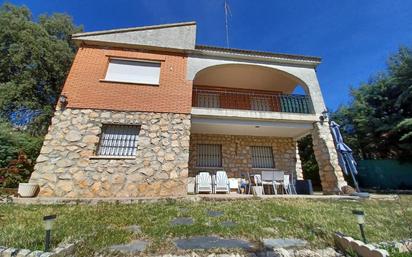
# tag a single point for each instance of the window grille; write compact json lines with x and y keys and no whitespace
{"x":260,"y":104}
{"x":262,"y":157}
{"x":208,"y":100}
{"x":209,"y":155}
{"x":118,"y":140}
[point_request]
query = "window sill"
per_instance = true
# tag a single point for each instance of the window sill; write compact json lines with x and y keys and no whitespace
{"x":210,"y":168}
{"x":129,"y":83}
{"x":269,"y":169}
{"x":108,"y":157}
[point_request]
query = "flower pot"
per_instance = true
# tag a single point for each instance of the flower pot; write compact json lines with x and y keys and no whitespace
{"x":27,"y":189}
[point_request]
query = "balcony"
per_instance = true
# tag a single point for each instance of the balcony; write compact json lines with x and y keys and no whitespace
{"x":263,"y":101}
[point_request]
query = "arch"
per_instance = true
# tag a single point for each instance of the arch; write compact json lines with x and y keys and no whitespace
{"x":248,"y":76}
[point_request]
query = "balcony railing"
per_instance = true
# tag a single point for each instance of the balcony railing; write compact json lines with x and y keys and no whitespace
{"x":244,"y":100}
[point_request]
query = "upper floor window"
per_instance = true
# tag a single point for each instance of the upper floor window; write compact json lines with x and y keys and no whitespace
{"x":140,"y":72}
{"x":262,"y":157}
{"x":118,"y":140}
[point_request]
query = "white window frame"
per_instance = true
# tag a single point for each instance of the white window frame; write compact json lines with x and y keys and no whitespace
{"x":262,"y":157}
{"x":209,"y":156}
{"x":135,"y":71}
{"x":118,"y":140}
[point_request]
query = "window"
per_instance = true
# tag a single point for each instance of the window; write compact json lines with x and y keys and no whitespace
{"x":118,"y":140}
{"x":260,"y":104}
{"x":262,"y":157}
{"x":208,"y":100}
{"x":133,"y":71}
{"x":209,"y":155}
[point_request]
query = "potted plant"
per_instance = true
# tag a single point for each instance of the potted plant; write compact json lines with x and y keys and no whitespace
{"x":27,"y":189}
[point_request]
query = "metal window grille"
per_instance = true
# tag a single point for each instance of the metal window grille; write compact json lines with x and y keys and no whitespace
{"x":260,"y":104}
{"x":118,"y":140}
{"x":262,"y":157}
{"x":209,"y":155}
{"x":208,"y":100}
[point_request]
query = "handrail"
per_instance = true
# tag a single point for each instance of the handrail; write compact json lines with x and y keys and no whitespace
{"x":252,"y":100}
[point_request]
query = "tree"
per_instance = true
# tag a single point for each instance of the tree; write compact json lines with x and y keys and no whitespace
{"x":378,"y":121}
{"x":34,"y":61}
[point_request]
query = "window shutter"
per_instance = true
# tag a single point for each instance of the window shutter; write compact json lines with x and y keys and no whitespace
{"x":133,"y":71}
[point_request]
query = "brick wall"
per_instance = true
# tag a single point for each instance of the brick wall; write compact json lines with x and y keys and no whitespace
{"x":85,"y":89}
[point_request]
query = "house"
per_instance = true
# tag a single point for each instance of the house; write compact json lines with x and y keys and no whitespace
{"x":145,"y":108}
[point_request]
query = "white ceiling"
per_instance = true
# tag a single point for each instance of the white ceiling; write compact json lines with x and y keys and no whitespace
{"x":249,"y":127}
{"x":246,"y":76}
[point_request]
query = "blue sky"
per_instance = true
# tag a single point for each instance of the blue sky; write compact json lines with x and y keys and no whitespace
{"x":353,"y":37}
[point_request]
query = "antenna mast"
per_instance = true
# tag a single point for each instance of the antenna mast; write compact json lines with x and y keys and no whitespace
{"x":227,"y":12}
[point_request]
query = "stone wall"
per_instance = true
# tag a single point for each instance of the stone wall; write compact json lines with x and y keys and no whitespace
{"x":330,"y":172}
{"x":67,"y":165}
{"x":237,"y":156}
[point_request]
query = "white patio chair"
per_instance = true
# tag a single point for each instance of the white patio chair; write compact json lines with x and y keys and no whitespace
{"x":234,"y":184}
{"x":257,"y":178}
{"x":204,"y":183}
{"x":268,"y":179}
{"x":221,"y":183}
{"x":278,"y":180}
{"x":286,"y":184}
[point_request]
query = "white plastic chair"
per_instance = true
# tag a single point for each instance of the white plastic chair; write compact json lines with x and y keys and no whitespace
{"x":288,"y":185}
{"x":268,"y":179}
{"x":221,"y":183}
{"x":278,"y":180}
{"x":204,"y":183}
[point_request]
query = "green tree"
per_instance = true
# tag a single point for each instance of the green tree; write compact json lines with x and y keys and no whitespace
{"x":34,"y":60}
{"x":377,"y":123}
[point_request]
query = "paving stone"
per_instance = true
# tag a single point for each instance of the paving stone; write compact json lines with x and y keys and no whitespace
{"x":209,"y":242}
{"x":134,"y":229}
{"x":23,"y":253}
{"x":215,"y":213}
{"x":228,"y":224}
{"x":133,"y":247}
{"x":278,"y":219}
{"x":182,"y":221}
{"x":35,"y":254}
{"x":9,"y":252}
{"x":286,"y":243}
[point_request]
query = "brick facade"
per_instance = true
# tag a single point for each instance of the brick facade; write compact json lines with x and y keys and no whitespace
{"x":237,"y":157}
{"x":85,"y":89}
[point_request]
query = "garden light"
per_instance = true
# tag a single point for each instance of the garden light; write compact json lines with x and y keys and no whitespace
{"x":360,"y":218}
{"x":48,"y":224}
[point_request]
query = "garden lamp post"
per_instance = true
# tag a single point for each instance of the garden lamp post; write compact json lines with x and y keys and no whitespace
{"x":360,"y":218}
{"x":48,"y":224}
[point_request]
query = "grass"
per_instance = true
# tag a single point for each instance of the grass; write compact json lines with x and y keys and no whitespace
{"x":99,"y":226}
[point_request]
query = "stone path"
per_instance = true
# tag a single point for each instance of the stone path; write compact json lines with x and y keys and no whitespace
{"x":133,"y":247}
{"x":215,"y":213}
{"x":228,"y":224}
{"x":182,"y":221}
{"x":286,"y":243}
{"x":209,"y":242}
{"x":134,"y":229}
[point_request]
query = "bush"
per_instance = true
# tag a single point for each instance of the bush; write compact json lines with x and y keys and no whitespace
{"x":18,"y":171}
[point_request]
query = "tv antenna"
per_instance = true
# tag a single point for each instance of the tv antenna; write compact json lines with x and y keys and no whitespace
{"x":227,"y":13}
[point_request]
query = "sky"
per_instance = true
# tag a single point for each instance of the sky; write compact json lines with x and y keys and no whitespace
{"x":354,"y":38}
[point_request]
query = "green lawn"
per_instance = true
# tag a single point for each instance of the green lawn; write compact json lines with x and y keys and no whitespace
{"x":101,"y":225}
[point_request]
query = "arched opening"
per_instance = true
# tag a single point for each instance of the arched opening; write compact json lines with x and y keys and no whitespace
{"x":250,"y":87}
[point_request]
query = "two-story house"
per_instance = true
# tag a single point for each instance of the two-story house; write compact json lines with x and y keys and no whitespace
{"x":145,"y":108}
